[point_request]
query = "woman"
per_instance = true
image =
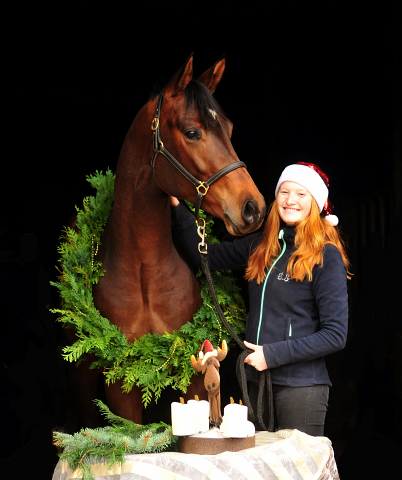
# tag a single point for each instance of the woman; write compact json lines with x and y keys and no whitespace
{"x":297,"y":274}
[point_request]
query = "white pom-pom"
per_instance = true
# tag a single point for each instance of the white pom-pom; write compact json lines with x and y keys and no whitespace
{"x":332,"y":220}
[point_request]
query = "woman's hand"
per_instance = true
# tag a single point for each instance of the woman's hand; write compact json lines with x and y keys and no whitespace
{"x":174,"y":202}
{"x":256,"y":359}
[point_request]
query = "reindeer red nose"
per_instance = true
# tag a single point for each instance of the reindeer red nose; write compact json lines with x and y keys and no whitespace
{"x":208,"y":346}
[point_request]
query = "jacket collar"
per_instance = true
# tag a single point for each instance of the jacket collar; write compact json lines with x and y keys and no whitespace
{"x":289,"y":234}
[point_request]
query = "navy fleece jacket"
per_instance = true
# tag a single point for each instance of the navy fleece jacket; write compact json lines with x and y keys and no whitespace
{"x":301,"y":322}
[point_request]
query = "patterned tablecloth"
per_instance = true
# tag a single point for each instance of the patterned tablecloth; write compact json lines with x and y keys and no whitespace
{"x":285,"y":455}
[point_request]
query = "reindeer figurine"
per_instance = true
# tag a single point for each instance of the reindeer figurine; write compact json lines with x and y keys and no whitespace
{"x":208,"y":364}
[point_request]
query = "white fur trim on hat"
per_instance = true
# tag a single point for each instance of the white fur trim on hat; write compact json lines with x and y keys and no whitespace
{"x":205,"y":357}
{"x":307,"y":178}
{"x":332,"y":220}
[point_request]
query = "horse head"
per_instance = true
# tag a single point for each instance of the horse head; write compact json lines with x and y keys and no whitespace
{"x":195,"y":130}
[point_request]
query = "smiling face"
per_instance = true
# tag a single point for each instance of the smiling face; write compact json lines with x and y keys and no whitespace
{"x":293,"y":202}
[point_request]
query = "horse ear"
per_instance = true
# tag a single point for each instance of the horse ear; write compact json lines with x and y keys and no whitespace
{"x":213,"y":75}
{"x":180,"y":79}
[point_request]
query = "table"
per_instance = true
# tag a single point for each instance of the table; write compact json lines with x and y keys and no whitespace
{"x":284,"y":455}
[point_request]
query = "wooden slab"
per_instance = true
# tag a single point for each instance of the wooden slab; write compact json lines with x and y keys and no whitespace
{"x":213,"y":446}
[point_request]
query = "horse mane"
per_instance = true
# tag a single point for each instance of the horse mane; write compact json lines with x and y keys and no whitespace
{"x":199,"y":98}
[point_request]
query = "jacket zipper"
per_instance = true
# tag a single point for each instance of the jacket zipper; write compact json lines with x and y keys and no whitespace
{"x":280,"y":236}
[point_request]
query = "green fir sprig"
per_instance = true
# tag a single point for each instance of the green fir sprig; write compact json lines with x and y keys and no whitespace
{"x":153,"y":361}
{"x":110,"y":444}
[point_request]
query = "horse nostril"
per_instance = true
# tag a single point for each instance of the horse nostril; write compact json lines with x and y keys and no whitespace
{"x":250,"y":212}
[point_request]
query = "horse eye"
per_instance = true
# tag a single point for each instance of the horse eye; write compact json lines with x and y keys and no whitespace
{"x":191,"y":134}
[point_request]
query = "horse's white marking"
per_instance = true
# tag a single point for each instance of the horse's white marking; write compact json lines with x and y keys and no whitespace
{"x":213,"y":113}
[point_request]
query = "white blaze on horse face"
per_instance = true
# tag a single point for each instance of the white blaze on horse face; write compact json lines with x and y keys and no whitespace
{"x":213,"y":113}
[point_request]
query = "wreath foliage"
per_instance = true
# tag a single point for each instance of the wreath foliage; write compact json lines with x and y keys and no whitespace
{"x":153,"y":361}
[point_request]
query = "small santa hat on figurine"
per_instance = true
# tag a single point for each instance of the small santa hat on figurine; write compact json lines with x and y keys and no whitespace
{"x":310,"y":176}
{"x":210,"y":351}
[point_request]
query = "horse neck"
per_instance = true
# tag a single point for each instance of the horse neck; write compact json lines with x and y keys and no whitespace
{"x":140,"y":220}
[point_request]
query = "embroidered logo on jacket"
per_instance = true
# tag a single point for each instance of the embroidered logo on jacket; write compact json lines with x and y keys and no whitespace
{"x":285,"y":278}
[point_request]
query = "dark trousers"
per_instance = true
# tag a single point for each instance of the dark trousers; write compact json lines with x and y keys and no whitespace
{"x":301,"y":408}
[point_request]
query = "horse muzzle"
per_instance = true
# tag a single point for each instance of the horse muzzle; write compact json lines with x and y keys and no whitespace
{"x":252,"y":216}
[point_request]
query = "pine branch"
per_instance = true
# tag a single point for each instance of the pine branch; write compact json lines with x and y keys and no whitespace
{"x":113,"y":442}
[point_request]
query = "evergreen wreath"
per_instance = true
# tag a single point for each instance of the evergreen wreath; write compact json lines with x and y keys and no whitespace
{"x":153,"y":361}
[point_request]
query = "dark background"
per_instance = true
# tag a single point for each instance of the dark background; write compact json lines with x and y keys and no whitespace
{"x":321,"y":84}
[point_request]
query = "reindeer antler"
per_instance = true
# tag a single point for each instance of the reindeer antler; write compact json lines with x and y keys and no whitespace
{"x":197,"y":364}
{"x":222,"y":353}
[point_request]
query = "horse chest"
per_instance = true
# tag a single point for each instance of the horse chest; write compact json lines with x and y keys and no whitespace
{"x":148,"y":299}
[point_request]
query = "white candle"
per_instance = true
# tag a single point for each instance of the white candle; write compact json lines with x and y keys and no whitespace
{"x":250,"y":429}
{"x":201,"y":415}
{"x":182,"y":419}
{"x":235,"y":421}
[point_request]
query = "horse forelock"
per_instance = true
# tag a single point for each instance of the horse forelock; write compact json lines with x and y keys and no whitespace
{"x":207,"y":108}
{"x":199,"y":99}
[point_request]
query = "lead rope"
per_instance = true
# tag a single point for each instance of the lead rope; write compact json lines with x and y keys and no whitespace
{"x":265,"y":383}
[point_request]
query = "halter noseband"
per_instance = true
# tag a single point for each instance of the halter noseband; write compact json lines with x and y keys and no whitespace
{"x":202,"y":187}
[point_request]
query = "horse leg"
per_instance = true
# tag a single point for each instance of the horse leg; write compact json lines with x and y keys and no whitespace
{"x":196,"y":387}
{"x":84,"y":386}
{"x":125,"y":405}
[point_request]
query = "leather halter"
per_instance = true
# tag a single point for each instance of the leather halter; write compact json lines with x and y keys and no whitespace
{"x":202,"y":187}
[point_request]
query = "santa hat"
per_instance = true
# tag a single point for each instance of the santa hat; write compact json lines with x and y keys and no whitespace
{"x":311,"y":177}
{"x":209,"y":351}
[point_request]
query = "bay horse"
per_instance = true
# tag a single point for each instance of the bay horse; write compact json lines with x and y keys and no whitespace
{"x":148,"y":287}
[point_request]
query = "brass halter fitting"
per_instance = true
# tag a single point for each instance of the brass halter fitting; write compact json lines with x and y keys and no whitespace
{"x":205,"y":187}
{"x":155,"y":123}
{"x":202,"y":246}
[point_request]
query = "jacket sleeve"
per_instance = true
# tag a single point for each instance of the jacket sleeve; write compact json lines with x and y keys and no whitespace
{"x":221,"y":256}
{"x":330,"y":291}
